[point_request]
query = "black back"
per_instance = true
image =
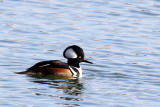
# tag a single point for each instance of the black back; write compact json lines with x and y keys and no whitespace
{"x":50,"y":63}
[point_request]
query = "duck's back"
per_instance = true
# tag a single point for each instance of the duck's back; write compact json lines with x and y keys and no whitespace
{"x":49,"y":67}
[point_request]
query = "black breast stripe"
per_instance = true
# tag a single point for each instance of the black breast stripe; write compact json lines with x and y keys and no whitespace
{"x":70,"y":68}
{"x":76,"y":70}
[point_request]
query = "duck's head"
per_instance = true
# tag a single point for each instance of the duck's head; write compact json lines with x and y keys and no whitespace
{"x":75,"y":55}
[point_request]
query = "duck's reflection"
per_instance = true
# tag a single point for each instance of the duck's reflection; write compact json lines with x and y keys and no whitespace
{"x":69,"y":85}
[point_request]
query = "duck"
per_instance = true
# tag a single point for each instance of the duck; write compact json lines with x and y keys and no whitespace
{"x":74,"y":55}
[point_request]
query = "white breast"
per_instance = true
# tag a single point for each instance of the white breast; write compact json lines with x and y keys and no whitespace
{"x":80,"y":71}
{"x":75,"y":73}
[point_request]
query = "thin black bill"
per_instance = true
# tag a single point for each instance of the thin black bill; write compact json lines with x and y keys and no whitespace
{"x":87,"y":61}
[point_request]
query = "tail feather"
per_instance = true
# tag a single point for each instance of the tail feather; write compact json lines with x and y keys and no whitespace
{"x":23,"y":72}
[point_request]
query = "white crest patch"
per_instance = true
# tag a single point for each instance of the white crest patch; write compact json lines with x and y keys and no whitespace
{"x":70,"y":53}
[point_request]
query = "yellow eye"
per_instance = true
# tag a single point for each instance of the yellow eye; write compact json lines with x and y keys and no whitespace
{"x":80,"y":57}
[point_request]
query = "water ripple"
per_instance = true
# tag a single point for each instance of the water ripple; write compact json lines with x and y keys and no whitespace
{"x":120,"y":37}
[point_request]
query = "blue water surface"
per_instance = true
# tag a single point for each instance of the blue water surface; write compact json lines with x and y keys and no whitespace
{"x":120,"y":37}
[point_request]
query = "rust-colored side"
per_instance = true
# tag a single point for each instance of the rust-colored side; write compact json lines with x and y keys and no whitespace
{"x":55,"y":71}
{"x":47,"y":70}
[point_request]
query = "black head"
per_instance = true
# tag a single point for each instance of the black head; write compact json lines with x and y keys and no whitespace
{"x":75,"y":55}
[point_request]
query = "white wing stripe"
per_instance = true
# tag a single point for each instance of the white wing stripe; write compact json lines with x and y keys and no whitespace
{"x":44,"y":65}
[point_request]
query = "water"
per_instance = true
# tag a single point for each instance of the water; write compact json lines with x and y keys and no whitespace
{"x":120,"y":37}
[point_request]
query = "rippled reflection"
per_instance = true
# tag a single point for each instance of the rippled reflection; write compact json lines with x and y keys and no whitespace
{"x":70,"y":86}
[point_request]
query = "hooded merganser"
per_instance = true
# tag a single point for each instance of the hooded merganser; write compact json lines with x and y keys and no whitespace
{"x":74,"y":54}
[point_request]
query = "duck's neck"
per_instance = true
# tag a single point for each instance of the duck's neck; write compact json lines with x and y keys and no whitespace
{"x":74,"y":62}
